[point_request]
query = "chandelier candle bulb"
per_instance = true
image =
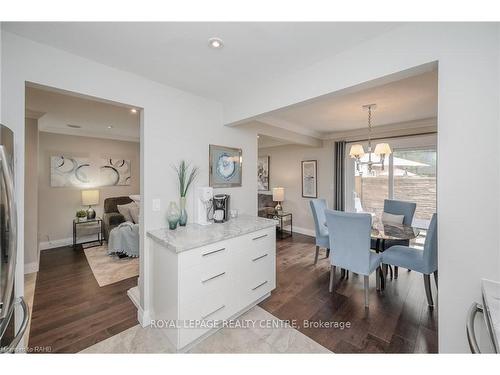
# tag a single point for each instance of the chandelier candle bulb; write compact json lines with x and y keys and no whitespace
{"x":356,"y":151}
{"x":383,"y":149}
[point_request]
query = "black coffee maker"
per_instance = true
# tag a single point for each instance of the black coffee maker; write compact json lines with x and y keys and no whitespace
{"x":221,"y":208}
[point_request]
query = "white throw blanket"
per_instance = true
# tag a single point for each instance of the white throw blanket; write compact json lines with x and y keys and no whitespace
{"x":124,"y":239}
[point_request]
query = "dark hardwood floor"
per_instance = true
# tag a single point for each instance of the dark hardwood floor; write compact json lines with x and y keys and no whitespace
{"x":70,"y":311}
{"x":398,"y":320}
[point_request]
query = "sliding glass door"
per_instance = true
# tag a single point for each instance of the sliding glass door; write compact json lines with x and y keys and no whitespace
{"x":414,"y":172}
{"x":409,"y":174}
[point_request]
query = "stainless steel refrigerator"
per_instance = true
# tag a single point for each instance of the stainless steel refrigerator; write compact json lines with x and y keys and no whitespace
{"x":14,"y":313}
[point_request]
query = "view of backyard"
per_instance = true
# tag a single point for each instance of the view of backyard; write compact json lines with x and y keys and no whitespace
{"x":414,"y":180}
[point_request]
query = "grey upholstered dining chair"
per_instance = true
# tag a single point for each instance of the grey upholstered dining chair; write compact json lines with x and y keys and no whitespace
{"x":350,"y":239}
{"x":424,"y":261}
{"x":396,"y":207}
{"x":318,"y":207}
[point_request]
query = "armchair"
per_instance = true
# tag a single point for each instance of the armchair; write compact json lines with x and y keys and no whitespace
{"x":111,"y":217}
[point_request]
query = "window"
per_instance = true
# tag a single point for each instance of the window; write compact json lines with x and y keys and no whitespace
{"x":414,"y":172}
{"x":409,"y":174}
{"x":371,"y":188}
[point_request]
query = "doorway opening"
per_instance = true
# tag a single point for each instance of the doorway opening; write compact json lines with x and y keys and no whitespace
{"x":82,"y":217}
{"x":305,"y":149}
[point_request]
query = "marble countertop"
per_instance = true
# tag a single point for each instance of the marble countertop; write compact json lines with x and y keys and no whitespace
{"x":194,"y":235}
{"x":491,"y":300}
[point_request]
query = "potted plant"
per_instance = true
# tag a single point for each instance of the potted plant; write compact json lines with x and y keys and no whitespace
{"x":80,"y":214}
{"x":186,"y":178}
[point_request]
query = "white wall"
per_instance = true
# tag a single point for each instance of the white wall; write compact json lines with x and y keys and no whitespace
{"x":176,"y":125}
{"x":31,"y":197}
{"x":286,"y":171}
{"x":468,"y":184}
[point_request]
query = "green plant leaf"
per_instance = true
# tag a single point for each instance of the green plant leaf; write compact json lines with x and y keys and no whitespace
{"x":185,"y":181}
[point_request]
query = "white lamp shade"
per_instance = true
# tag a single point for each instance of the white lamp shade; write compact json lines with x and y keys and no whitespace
{"x":356,"y":151}
{"x":383,"y":149}
{"x":278,"y":194}
{"x":90,"y":197}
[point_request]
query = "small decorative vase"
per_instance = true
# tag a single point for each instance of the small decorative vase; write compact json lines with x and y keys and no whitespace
{"x":173,"y":215}
{"x":184,"y":216}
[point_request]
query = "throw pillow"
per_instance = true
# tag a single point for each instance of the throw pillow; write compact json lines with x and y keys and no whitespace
{"x":134,"y":212}
{"x":124,"y":209}
{"x":388,"y":218}
{"x":135,"y":197}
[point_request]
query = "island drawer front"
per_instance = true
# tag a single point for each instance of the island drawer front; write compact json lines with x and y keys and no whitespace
{"x":261,"y":266}
{"x":260,"y":242}
{"x":253,"y":291}
{"x":257,"y":277}
{"x":209,"y":308}
{"x":198,"y":281}
{"x":205,"y":256}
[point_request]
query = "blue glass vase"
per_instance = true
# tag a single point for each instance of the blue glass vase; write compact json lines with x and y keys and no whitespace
{"x":183,"y":218}
{"x":173,"y":215}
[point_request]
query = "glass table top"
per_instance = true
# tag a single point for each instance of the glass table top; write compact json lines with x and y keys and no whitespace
{"x":394,"y":232}
{"x":279,"y":213}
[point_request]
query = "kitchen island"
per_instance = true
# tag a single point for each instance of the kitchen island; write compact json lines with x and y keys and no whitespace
{"x":203,"y":276}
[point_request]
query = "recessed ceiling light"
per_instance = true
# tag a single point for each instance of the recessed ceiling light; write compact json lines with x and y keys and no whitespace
{"x":215,"y":43}
{"x":133,"y":110}
{"x":73,"y":126}
{"x":110,"y":127}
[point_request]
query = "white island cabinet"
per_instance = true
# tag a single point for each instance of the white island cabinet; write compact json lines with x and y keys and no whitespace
{"x":206,"y":274}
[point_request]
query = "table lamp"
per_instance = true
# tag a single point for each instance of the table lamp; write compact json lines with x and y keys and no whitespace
{"x":278,"y":196}
{"x":90,"y":198}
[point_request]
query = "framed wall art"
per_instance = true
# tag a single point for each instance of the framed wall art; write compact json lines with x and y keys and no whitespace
{"x":82,"y":172}
{"x":225,"y":166}
{"x":310,"y":179}
{"x":70,"y":171}
{"x":263,"y":173}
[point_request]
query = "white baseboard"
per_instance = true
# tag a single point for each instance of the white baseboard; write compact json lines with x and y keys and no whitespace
{"x":55,"y":243}
{"x":307,"y":232}
{"x":142,"y":316}
{"x":30,"y":267}
{"x":63,"y":242}
{"x":133,"y":294}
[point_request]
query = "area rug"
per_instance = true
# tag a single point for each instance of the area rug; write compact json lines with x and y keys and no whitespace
{"x":110,"y":269}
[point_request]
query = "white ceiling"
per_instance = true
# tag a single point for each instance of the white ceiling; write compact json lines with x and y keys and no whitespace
{"x":56,"y":110}
{"x":405,"y":100}
{"x":267,"y":141}
{"x":177,"y":53}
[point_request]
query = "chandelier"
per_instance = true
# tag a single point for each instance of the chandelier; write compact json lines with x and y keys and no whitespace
{"x":381,"y":149}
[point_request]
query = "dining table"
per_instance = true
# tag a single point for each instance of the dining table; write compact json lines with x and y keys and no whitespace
{"x":382,"y":232}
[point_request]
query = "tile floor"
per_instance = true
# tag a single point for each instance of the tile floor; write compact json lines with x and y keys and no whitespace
{"x":226,"y":340}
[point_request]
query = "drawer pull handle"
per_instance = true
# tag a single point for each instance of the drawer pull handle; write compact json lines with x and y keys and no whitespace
{"x":258,"y":238}
{"x":256,"y":259}
{"x":213,"y":277}
{"x":258,"y":286}
{"x":213,"y":252}
{"x":213,"y":312}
